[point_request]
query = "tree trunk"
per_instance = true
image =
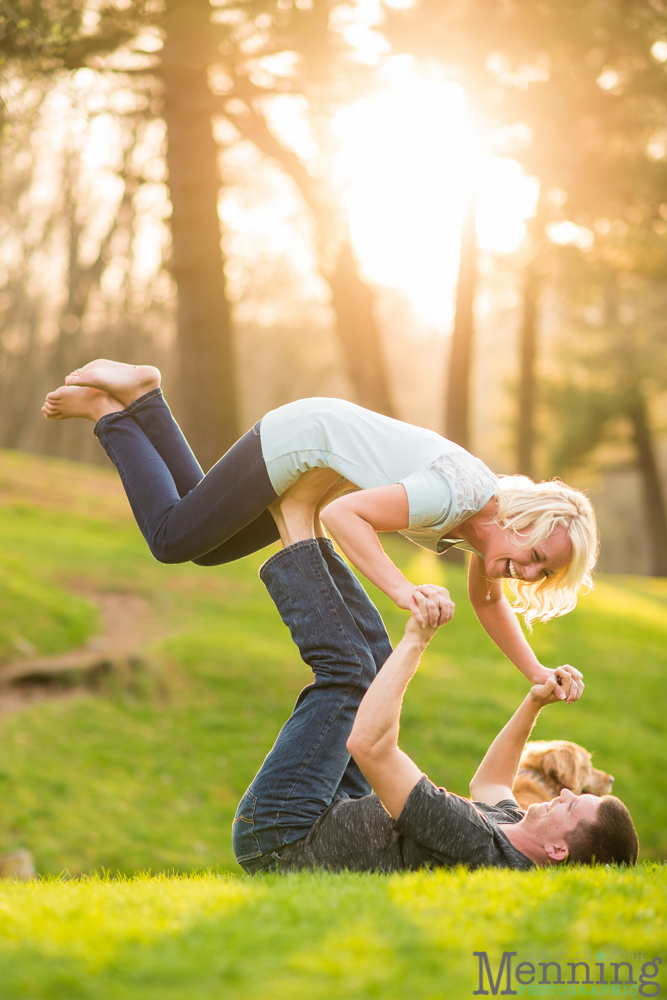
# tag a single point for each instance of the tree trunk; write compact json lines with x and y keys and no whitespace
{"x":207,"y":383}
{"x":67,"y":438}
{"x":352,"y":300}
{"x":532,"y":280}
{"x":457,"y":407}
{"x":359,"y":335}
{"x":525,"y":427}
{"x":656,"y":510}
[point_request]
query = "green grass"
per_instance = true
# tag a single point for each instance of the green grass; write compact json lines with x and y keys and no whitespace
{"x":314,"y":936}
{"x":56,"y":619}
{"x":126,"y":784}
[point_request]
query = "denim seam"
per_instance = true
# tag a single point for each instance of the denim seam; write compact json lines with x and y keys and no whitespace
{"x":324,"y":732}
{"x":154,"y":540}
{"x":341,"y":704}
{"x":333,"y":715}
{"x":274,"y":828}
{"x":107,"y":416}
{"x":379,"y":632}
{"x":144,"y":399}
{"x":128,"y":409}
{"x":126,"y":484}
{"x":378,"y":626}
{"x":174,"y":540}
{"x":303,"y":544}
{"x":249,"y":831}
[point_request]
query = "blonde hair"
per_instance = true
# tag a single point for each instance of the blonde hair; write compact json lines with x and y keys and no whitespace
{"x":538,"y":509}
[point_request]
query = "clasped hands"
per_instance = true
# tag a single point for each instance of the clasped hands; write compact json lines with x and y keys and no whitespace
{"x":436,"y":608}
{"x":564,"y":683}
{"x":431,"y":607}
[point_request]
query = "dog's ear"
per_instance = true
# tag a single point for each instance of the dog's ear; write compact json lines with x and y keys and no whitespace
{"x":533,"y":754}
{"x":563,"y":764}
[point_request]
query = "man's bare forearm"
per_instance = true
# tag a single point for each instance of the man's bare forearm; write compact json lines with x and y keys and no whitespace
{"x":374,"y":739}
{"x":377,"y":722}
{"x":501,"y":761}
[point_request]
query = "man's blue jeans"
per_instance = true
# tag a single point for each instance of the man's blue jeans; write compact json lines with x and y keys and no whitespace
{"x":341,"y":636}
{"x":183,"y":514}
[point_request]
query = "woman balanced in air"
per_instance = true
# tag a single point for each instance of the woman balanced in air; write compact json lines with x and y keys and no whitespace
{"x":541,"y":537}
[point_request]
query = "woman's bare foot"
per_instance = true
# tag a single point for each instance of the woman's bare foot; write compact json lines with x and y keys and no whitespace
{"x":76,"y":401}
{"x":123,"y":382}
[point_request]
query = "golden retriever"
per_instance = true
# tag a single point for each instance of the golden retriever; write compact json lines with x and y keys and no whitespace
{"x":548,"y":766}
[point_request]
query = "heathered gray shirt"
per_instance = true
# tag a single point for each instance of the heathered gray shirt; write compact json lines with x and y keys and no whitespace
{"x":435,"y":829}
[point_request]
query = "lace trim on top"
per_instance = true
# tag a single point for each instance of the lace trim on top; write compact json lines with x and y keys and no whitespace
{"x":473,"y":483}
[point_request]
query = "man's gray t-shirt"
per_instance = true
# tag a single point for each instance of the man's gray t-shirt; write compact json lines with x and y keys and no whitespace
{"x":436,"y":828}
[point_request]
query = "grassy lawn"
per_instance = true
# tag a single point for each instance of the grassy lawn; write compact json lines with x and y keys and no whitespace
{"x":313,"y":936}
{"x":123,"y":784}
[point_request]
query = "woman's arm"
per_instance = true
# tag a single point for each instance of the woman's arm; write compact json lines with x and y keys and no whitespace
{"x":353,"y":520}
{"x":502,"y":625}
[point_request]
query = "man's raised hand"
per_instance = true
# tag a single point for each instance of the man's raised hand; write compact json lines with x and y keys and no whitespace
{"x":562,"y":685}
{"x":575,"y":682}
{"x":428,"y":622}
{"x":440,"y":597}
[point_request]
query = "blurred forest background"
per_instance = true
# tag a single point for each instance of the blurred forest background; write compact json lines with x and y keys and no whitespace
{"x":450,"y":211}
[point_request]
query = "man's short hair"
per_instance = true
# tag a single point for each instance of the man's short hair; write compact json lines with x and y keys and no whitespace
{"x":612,"y":838}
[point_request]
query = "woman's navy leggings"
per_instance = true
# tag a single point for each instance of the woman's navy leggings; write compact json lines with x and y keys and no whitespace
{"x":183,"y":514}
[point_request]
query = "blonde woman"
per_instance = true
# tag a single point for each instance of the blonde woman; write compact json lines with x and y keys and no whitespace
{"x":541,"y":537}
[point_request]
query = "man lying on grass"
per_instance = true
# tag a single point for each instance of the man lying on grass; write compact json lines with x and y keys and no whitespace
{"x":310,"y":805}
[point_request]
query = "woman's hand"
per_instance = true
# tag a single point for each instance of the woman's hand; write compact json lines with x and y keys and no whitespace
{"x":568,"y":678}
{"x":439,"y":608}
{"x":560,"y":685}
{"x":424,"y":633}
{"x":441,"y":597}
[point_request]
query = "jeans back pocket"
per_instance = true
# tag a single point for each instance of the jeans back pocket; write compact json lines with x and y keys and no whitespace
{"x":244,"y":839}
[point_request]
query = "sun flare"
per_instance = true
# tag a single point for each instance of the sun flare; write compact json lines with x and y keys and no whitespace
{"x":407,"y":156}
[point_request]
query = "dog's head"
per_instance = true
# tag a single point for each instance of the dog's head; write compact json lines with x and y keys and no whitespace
{"x":567,"y":763}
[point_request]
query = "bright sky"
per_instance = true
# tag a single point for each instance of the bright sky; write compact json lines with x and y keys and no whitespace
{"x":407,"y":155}
{"x":405,"y":162}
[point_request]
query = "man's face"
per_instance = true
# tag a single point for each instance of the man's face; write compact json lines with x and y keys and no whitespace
{"x":549,"y":822}
{"x":509,"y":555}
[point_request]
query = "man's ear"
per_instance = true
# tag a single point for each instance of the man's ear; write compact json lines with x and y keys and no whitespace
{"x":557,"y":852}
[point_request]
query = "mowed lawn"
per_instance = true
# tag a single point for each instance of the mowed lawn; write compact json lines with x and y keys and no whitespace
{"x":315,"y":937}
{"x":122,"y":783}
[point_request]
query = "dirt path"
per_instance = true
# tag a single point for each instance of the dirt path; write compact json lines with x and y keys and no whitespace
{"x":128,"y":624}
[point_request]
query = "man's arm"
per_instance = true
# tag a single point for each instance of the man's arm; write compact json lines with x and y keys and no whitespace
{"x":495,"y":775}
{"x":373,"y":741}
